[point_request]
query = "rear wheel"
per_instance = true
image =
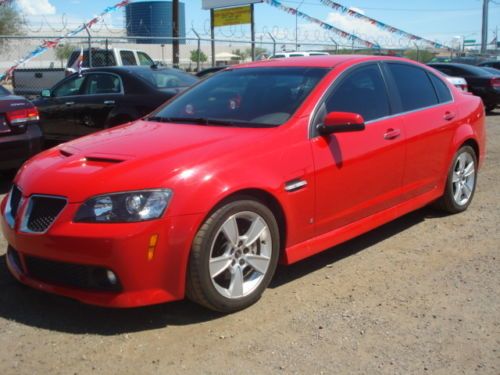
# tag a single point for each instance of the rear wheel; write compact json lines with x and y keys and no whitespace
{"x":233,"y":257}
{"x":461,"y":182}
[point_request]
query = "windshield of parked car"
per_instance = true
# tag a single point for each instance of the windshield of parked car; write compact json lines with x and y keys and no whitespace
{"x":166,"y":78}
{"x":3,"y":91}
{"x":244,"y":97}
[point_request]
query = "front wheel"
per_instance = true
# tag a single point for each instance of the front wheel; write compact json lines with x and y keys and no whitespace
{"x":233,"y":256}
{"x":461,"y":182}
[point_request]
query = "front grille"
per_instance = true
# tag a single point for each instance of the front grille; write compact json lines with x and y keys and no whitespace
{"x":69,"y":274}
{"x":41,"y":213}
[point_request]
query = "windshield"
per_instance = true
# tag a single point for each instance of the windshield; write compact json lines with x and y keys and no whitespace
{"x":244,"y":97}
{"x":166,"y":78}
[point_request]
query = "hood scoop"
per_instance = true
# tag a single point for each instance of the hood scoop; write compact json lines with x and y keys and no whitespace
{"x":101,"y":159}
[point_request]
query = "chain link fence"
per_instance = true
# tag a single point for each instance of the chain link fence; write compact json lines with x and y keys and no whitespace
{"x":195,"y":54}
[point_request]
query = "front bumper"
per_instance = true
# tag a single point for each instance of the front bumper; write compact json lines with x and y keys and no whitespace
{"x":121,"y":248}
{"x":15,"y":149}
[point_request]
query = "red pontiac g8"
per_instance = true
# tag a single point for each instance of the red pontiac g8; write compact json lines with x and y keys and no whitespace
{"x":264,"y":162}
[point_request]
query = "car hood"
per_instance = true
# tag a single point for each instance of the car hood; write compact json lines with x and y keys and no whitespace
{"x":140,"y":155}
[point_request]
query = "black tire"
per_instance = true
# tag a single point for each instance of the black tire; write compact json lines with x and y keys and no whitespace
{"x":447,"y":201}
{"x":490,"y":108}
{"x":200,"y":285}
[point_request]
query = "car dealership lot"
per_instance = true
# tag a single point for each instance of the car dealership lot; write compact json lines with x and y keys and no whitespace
{"x":418,"y":295}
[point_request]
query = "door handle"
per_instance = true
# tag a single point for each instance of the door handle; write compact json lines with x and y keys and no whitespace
{"x":69,"y":104}
{"x":109,"y":102}
{"x":392,"y":134}
{"x":448,"y":116}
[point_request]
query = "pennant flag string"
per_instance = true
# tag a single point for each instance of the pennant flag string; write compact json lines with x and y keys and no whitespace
{"x":339,"y":7}
{"x":47,"y":44}
{"x":322,"y":24}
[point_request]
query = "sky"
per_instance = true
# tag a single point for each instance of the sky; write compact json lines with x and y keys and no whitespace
{"x":445,"y":21}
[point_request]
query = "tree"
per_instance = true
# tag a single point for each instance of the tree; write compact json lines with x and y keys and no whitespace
{"x":422,"y":55}
{"x":198,"y":54}
{"x":63,"y":52}
{"x":11,"y":22}
{"x":242,"y":54}
{"x":258,"y":51}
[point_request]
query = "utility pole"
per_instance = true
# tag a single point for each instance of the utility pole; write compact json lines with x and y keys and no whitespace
{"x":175,"y":33}
{"x":484,"y":31}
{"x":297,"y":26}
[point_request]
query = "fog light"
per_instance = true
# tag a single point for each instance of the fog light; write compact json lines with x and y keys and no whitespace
{"x":111,"y":277}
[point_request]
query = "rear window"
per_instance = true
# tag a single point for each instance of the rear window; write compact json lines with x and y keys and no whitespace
{"x":99,"y":58}
{"x":3,"y":91}
{"x":166,"y":78}
{"x":128,"y":58}
{"x":442,"y":91}
{"x":414,"y":85}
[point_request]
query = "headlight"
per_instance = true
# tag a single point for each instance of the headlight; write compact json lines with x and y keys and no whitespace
{"x":125,"y":207}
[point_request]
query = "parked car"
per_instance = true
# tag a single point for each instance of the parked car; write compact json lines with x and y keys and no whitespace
{"x":285,"y":55}
{"x":274,"y":160}
{"x":205,"y":73}
{"x":20,"y":134}
{"x":459,"y":82}
{"x":491,"y":64}
{"x":29,"y":82}
{"x":491,"y":70}
{"x":105,"y":97}
{"x":480,"y":82}
{"x":108,"y":57}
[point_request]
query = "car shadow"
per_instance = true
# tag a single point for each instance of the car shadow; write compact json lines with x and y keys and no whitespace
{"x":493,"y":113}
{"x":42,"y":310}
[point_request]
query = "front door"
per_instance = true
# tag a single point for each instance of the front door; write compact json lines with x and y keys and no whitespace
{"x":358,"y":173}
{"x":57,"y":113}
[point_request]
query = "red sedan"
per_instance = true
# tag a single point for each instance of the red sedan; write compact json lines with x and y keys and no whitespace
{"x":265,"y":162}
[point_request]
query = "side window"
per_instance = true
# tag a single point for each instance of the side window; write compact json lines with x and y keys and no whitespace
{"x":128,"y":58}
{"x":102,"y":84}
{"x":443,"y":92}
{"x":414,"y":86}
{"x":362,"y":91}
{"x":71,"y":87}
{"x":144,"y":59}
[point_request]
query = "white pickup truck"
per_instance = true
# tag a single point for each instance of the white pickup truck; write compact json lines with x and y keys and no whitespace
{"x":30,"y":82}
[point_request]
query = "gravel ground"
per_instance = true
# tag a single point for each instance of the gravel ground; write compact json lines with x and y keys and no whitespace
{"x":417,"y":296}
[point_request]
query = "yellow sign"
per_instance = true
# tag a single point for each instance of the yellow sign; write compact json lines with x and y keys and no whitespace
{"x":232,"y":16}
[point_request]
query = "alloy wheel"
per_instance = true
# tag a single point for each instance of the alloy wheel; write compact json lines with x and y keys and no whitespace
{"x":240,"y":255}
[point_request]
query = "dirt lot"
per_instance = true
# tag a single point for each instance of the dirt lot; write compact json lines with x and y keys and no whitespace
{"x":420,"y":295}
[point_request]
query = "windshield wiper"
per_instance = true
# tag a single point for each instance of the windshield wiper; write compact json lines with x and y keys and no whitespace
{"x":209,"y":121}
{"x":191,"y":120}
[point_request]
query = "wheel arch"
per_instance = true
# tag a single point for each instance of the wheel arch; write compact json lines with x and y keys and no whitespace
{"x":264,"y":197}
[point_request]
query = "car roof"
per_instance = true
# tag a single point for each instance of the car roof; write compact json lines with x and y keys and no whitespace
{"x":127,"y":68}
{"x":317,"y":61}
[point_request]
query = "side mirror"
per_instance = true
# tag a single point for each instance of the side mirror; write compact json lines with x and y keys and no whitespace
{"x":46,"y":93}
{"x":341,"y":122}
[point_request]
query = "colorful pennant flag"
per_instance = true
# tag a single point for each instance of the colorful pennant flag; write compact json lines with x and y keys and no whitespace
{"x":322,"y":24}
{"x":54,"y":43}
{"x":380,"y":25}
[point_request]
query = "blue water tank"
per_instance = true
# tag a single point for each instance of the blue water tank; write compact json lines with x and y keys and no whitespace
{"x":153,"y":19}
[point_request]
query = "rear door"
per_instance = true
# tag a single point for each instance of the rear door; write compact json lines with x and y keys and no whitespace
{"x":429,"y":115}
{"x":102,"y":94}
{"x":358,"y":173}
